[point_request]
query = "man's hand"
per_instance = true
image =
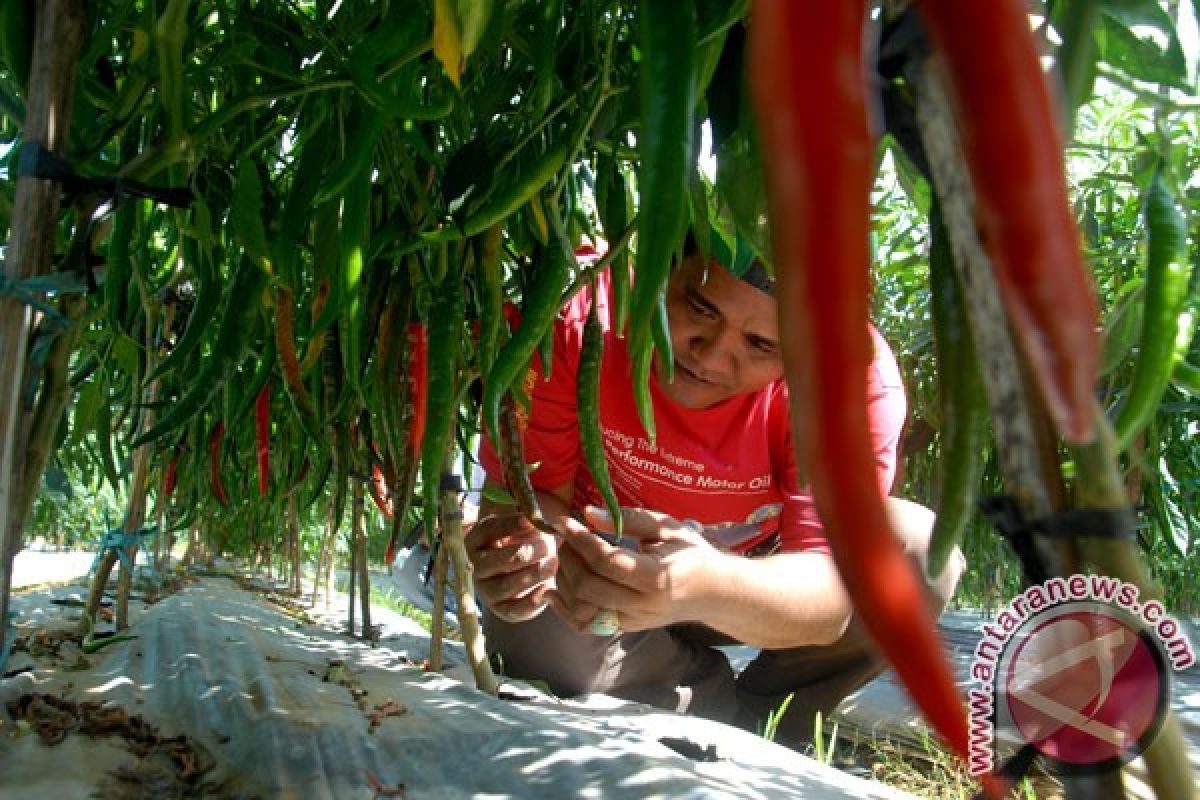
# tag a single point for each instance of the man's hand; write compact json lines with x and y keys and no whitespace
{"x":658,"y":585}
{"x":514,"y":565}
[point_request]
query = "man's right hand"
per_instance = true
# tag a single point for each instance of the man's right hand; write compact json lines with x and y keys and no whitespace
{"x":514,"y":565}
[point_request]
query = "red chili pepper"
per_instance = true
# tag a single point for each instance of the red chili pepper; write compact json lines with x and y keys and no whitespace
{"x":214,"y":462}
{"x":262,"y":432}
{"x":809,"y":83}
{"x":170,"y":478}
{"x":418,"y":370}
{"x":379,"y":491}
{"x":1014,"y":148}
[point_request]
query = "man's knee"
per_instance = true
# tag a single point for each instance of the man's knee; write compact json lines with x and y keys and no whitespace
{"x":913,"y":524}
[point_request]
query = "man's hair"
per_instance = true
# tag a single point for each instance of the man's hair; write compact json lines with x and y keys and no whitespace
{"x":750,"y":270}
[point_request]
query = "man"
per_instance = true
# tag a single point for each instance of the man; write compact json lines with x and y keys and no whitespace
{"x":722,"y":544}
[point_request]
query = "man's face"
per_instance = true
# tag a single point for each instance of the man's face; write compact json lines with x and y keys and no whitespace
{"x":724,"y":332}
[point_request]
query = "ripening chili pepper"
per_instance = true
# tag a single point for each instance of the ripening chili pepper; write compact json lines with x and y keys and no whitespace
{"x":538,"y":311}
{"x":316,"y":345}
{"x":215,"y":439}
{"x":514,"y":468}
{"x":587,"y":401}
{"x":667,"y":33}
{"x":818,"y":191}
{"x":285,"y":345}
{"x":1167,"y":320}
{"x":262,"y":437}
{"x":379,"y":491}
{"x":962,"y":402}
{"x":1011,"y":138}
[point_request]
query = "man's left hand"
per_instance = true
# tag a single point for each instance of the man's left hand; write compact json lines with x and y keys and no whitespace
{"x":659,"y":584}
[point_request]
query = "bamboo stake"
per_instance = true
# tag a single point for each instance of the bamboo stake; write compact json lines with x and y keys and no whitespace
{"x":437,"y":634}
{"x":456,"y":551}
{"x":58,"y":35}
{"x":360,"y":557}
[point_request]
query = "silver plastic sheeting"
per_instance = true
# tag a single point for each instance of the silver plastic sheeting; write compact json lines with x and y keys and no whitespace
{"x":255,"y":687}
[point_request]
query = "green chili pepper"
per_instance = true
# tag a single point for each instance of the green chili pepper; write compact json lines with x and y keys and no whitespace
{"x":445,"y":322}
{"x":356,"y":208}
{"x":1186,"y":378}
{"x":246,"y":215}
{"x":538,"y":311}
{"x":501,"y":203}
{"x":16,"y":39}
{"x":613,"y":204}
{"x":491,"y":295}
{"x":104,"y":435}
{"x":120,"y":267}
{"x":546,"y":353}
{"x":262,"y":373}
{"x":170,"y":33}
{"x":241,"y":303}
{"x":1167,"y":322}
{"x":662,"y":338}
{"x":326,"y":242}
{"x":962,"y":402}
{"x":667,"y":38}
{"x":366,"y":126}
{"x":587,"y":403}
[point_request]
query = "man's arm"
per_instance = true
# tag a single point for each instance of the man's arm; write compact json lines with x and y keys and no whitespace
{"x":779,"y":601}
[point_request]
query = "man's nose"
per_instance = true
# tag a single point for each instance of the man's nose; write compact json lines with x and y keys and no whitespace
{"x":714,"y":348}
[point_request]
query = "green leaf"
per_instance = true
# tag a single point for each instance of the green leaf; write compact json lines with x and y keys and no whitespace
{"x":1175,"y":525}
{"x":1138,"y":38}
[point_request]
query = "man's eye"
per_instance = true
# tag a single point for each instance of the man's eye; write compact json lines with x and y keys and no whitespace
{"x":763,"y":346}
{"x":700,"y":308}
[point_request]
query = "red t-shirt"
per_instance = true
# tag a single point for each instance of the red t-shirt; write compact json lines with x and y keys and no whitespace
{"x":729,"y":467}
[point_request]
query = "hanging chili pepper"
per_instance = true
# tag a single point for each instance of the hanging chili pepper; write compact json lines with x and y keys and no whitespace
{"x":285,"y":345}
{"x":215,"y":440}
{"x":1013,"y":147}
{"x":540,"y":307}
{"x":262,"y":437}
{"x":667,"y":37}
{"x":587,"y":402}
{"x":379,"y":491}
{"x":418,"y":372}
{"x":818,"y":190}
{"x":1167,"y":321}
{"x":241,"y":303}
{"x":445,"y":319}
{"x":962,"y":402}
{"x":169,"y":480}
{"x":491,"y":295}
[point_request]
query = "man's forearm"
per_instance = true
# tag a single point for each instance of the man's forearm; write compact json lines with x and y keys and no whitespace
{"x":784,"y":600}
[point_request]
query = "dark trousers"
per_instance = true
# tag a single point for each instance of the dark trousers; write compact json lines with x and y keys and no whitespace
{"x":679,"y":668}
